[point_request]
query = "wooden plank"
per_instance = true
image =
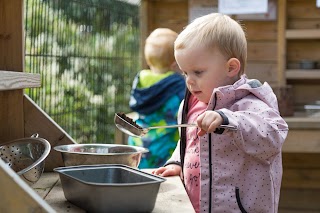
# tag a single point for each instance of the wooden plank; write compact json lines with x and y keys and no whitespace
{"x":303,"y":24}
{"x":303,"y":200}
{"x":170,"y":14}
{"x":12,"y":36}
{"x":203,"y":3}
{"x":301,"y":178}
{"x":306,"y":93}
{"x":303,"y":123}
{"x":262,"y":71}
{"x":58,"y":202}
{"x":37,"y":121}
{"x":144,"y":30}
{"x":303,"y":34}
{"x":17,"y":196}
{"x":302,"y":9}
{"x":303,"y":141}
{"x":11,"y":58}
{"x":282,"y":44}
{"x":303,"y":50}
{"x":301,"y":160}
{"x":290,"y":210}
{"x":10,"y":80}
{"x":262,"y":51}
{"x":260,"y":31}
{"x":45,"y":184}
{"x":296,"y":74}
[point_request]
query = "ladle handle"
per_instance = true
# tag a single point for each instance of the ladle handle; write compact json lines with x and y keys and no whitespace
{"x":230,"y":127}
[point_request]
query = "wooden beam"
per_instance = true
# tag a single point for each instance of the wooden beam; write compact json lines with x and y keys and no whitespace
{"x":282,"y":20}
{"x":303,"y":123}
{"x":144,"y":29}
{"x":11,"y":58}
{"x":37,"y":121}
{"x":303,"y":34}
{"x":17,"y":196}
{"x":10,"y":80}
{"x":296,"y":74}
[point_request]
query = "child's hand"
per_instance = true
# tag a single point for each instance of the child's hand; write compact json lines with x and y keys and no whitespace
{"x":208,"y":122}
{"x":170,"y":170}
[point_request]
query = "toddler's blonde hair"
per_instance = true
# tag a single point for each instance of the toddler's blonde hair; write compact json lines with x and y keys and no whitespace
{"x":159,"y":48}
{"x":216,"y":31}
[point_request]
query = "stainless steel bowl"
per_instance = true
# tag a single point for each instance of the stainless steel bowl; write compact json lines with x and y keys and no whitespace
{"x":26,"y":157}
{"x":88,"y":154}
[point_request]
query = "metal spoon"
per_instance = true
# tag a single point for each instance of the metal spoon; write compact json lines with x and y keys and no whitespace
{"x":137,"y":131}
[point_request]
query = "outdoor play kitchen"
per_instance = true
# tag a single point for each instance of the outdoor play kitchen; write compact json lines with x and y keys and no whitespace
{"x":46,"y":166}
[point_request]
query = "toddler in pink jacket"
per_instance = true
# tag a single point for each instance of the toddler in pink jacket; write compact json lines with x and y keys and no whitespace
{"x":225,"y":170}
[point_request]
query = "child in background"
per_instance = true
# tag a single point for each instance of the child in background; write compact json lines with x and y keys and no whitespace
{"x":225,"y":170}
{"x":156,"y":95}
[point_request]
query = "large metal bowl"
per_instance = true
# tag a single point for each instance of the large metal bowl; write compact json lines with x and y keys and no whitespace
{"x":89,"y":154}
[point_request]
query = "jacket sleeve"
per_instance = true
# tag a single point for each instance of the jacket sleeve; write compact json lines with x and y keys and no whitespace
{"x":261,"y":130}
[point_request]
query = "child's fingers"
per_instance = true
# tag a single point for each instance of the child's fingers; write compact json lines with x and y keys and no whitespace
{"x":169,"y":172}
{"x":200,"y":119}
{"x":199,"y":123}
{"x":159,"y":171}
{"x":201,"y":132}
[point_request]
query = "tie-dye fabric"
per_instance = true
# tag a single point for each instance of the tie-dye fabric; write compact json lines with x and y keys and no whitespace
{"x":146,"y":101}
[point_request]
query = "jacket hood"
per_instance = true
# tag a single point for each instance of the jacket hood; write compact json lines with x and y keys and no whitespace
{"x":147,"y":100}
{"x":227,"y":95}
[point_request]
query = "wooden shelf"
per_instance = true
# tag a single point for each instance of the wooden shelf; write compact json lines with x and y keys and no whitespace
{"x":303,"y":34}
{"x":300,"y":74}
{"x":10,"y":80}
{"x":303,"y":122}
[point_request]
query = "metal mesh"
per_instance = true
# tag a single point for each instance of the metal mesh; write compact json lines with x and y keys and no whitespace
{"x":87,"y":52}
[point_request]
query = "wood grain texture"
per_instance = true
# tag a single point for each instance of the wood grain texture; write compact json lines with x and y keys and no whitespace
{"x":11,"y":58}
{"x":262,"y":51}
{"x":282,"y":43}
{"x":302,"y":141}
{"x":300,"y":200}
{"x":37,"y":121}
{"x":303,"y":34}
{"x":297,"y":74}
{"x":17,"y":196}
{"x":11,"y":80}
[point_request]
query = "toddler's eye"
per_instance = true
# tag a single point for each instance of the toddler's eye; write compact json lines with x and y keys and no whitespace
{"x":198,"y":72}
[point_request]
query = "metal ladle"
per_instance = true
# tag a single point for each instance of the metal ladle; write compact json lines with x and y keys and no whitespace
{"x":137,"y":131}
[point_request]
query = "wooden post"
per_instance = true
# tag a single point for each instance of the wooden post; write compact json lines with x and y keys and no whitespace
{"x":282,"y":44}
{"x":11,"y":58}
{"x":144,"y":29}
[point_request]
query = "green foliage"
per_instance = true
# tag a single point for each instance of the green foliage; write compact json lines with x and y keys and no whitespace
{"x":87,"y":53}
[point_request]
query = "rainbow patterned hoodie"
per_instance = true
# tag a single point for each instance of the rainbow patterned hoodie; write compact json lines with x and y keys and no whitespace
{"x":156,"y":98}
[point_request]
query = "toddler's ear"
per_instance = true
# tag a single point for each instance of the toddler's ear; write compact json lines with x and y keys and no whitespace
{"x":234,"y":66}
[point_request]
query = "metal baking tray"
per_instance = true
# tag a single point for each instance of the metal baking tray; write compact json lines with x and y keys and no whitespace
{"x":109,"y":188}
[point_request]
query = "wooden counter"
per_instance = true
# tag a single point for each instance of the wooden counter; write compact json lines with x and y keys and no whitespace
{"x":172,"y":196}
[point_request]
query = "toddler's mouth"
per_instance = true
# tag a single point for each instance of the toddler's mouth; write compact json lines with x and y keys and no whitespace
{"x":196,"y":92}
